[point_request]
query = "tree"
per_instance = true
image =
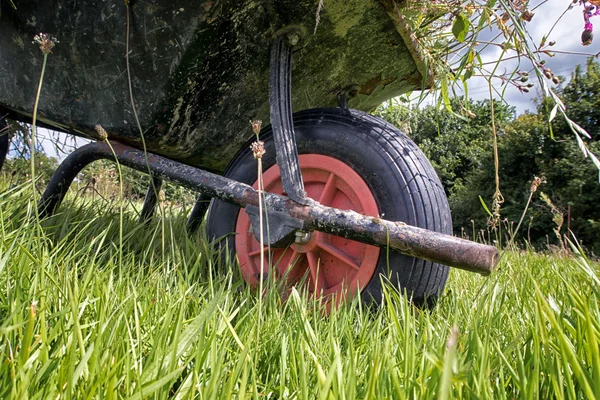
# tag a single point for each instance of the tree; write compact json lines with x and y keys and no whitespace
{"x":461,"y":151}
{"x":453,"y":143}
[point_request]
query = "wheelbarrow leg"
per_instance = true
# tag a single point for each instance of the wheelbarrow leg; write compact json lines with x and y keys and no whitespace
{"x":280,"y":97}
{"x":150,"y":200}
{"x":342,"y":100}
{"x":4,"y":142}
{"x":197,"y":214}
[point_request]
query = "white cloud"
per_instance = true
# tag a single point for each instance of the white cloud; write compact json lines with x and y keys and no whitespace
{"x":58,"y":144}
{"x":565,"y":26}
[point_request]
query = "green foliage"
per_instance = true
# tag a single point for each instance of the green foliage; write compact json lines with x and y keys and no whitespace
{"x":166,"y":319}
{"x":582,"y":99}
{"x":460,"y":27}
{"x":454,"y":145}
{"x":18,"y":170}
{"x":135,"y":183}
{"x":462,"y":154}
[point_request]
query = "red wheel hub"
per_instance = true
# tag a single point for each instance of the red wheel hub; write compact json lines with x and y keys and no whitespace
{"x":329,"y":266}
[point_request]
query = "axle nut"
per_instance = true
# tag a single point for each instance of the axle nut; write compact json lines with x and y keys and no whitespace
{"x":302,"y":237}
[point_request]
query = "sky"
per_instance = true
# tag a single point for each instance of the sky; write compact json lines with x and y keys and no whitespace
{"x":569,"y":52}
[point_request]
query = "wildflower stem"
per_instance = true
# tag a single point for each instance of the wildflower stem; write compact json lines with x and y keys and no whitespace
{"x":262,"y":242}
{"x":33,"y":132}
{"x":137,"y":119}
{"x":121,"y":202}
{"x":512,"y":237}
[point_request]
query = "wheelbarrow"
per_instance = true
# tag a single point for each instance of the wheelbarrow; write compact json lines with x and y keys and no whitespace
{"x":169,"y":88}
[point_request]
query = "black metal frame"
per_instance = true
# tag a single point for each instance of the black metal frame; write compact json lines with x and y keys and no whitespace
{"x":280,"y":97}
{"x":296,"y":211}
{"x":197,"y":215}
{"x":151,"y":199}
{"x":407,"y":239}
{"x":4,"y":142}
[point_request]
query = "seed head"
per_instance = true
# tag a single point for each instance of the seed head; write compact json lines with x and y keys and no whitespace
{"x":587,"y":37}
{"x":537,"y":181}
{"x":527,"y":15}
{"x":46,"y":42}
{"x":453,"y":338}
{"x":256,"y":125}
{"x":258,"y":149}
{"x":101,"y":132}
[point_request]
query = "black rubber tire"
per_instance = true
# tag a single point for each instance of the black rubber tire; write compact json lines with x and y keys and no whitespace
{"x":403,"y":182}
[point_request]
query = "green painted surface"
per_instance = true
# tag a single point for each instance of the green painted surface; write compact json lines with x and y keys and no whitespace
{"x":199,"y":69}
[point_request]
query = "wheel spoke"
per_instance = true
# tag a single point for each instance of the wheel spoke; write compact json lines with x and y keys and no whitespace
{"x":294,"y":258}
{"x":286,"y":269}
{"x":257,"y":252}
{"x":338,"y":254}
{"x":328,"y":191}
{"x":322,"y":265}
{"x":316,"y":272}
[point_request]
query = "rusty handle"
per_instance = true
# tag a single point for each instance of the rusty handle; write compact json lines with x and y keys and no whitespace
{"x":417,"y":242}
{"x":407,"y":239}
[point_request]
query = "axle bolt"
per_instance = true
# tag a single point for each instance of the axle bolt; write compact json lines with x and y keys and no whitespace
{"x":302,"y":237}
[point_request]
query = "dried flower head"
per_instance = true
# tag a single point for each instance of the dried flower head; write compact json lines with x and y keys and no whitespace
{"x":258,"y":149}
{"x":537,"y":181}
{"x":587,"y":37}
{"x":591,"y":8}
{"x":453,"y":338}
{"x":101,"y":132}
{"x":46,"y":42}
{"x":527,"y":15}
{"x":256,"y":125}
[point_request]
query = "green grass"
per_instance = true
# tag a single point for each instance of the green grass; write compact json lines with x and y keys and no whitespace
{"x":160,"y":316}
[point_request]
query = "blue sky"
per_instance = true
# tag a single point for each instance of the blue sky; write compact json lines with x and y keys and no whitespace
{"x":566,"y":33}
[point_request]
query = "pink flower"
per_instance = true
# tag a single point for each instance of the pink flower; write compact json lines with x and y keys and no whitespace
{"x":589,"y":10}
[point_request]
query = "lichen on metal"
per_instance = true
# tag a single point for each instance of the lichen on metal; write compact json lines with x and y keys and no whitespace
{"x":199,"y":69}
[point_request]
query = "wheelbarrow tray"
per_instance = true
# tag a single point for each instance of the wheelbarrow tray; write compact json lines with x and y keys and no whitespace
{"x":198,"y":69}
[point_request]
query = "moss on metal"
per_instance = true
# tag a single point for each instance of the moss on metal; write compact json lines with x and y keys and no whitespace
{"x":199,"y":69}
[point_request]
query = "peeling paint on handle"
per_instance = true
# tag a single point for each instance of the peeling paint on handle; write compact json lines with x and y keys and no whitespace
{"x":417,"y":242}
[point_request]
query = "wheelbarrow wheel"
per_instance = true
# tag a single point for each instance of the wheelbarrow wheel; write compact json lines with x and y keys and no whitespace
{"x":349,"y":160}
